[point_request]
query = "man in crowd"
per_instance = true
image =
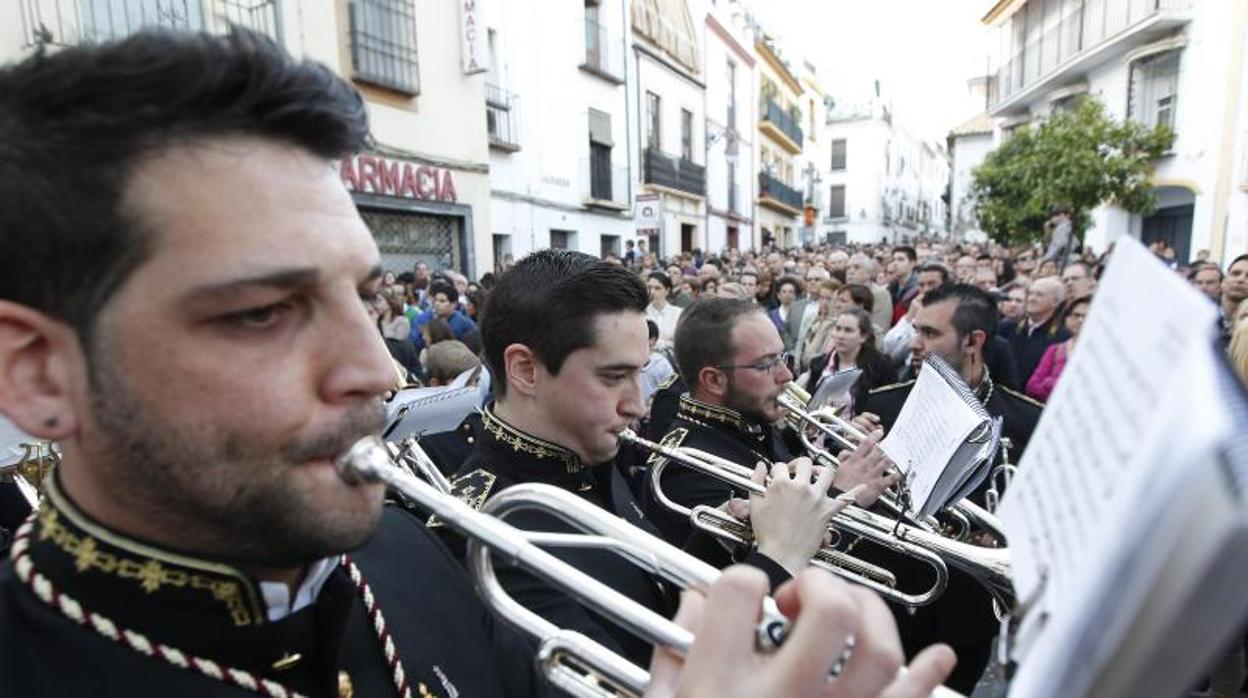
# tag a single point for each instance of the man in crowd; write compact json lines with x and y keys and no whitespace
{"x":905,"y":283}
{"x":732,"y":359}
{"x":1234,"y":291}
{"x":956,"y":322}
{"x":1060,"y":236}
{"x":862,"y":270}
{"x":897,"y":340}
{"x":1041,"y":326}
{"x":1207,"y":278}
{"x":443,"y":303}
{"x":680,"y":297}
{"x":194,"y":547}
{"x":1078,"y":280}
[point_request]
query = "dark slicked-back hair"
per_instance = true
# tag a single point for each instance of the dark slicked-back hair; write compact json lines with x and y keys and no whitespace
{"x":75,"y":124}
{"x":548,"y":302}
{"x":704,"y":334}
{"x":977,"y":309}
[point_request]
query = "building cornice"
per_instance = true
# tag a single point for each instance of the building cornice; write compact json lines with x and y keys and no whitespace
{"x":1002,"y":11}
{"x":771,"y":59}
{"x":722,"y":32}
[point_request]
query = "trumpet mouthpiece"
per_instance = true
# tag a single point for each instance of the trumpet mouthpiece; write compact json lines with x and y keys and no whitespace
{"x":363,"y":462}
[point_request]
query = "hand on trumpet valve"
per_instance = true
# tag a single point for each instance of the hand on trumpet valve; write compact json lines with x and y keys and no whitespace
{"x":866,"y":423}
{"x":826,"y":613}
{"x":868,"y":466}
{"x":790,"y":521}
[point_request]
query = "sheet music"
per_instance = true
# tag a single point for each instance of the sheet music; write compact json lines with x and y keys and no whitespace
{"x":833,"y":389}
{"x":415,"y":412}
{"x":932,"y":425}
{"x":1077,"y":498}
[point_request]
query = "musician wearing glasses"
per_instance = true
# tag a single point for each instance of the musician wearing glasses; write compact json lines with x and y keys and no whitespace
{"x":190,"y":326}
{"x":954,"y":322}
{"x":566,"y":336}
{"x":734,"y":361}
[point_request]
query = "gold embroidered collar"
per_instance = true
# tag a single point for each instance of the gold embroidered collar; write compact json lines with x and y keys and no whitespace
{"x":520,"y":442}
{"x":68,"y":543}
{"x":695,"y":410}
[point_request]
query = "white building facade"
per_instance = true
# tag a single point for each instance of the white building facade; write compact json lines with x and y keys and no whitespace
{"x":1173,"y":62}
{"x":423,"y":188}
{"x":969,"y":145}
{"x":557,"y":116}
{"x":884,"y":183}
{"x":666,"y":86}
{"x":731,"y":84}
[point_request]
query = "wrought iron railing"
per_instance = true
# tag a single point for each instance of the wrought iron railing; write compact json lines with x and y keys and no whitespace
{"x":72,"y":22}
{"x":675,"y":173}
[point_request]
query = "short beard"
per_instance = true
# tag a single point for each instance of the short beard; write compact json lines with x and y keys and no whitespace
{"x":228,"y":494}
{"x":744,"y":404}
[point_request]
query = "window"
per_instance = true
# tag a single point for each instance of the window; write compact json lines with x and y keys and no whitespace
{"x":836,"y":201}
{"x":610,"y":244}
{"x":502,"y":250}
{"x":562,"y":239}
{"x":686,"y":135}
{"x":383,"y":44}
{"x":838,"y":154}
{"x":600,"y":144}
{"x":653,"y":117}
{"x":732,"y":95}
{"x":1154,"y":89}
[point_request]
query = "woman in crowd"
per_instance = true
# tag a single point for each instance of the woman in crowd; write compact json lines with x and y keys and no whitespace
{"x":859,"y":296}
{"x":853,"y":346}
{"x":392,"y":321}
{"x":814,"y":340}
{"x":1238,"y":348}
{"x":1044,"y":379}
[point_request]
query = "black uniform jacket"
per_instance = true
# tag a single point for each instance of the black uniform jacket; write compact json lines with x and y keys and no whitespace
{"x":503,"y":456}
{"x":963,"y":616}
{"x":447,"y":641}
{"x":727,"y":434}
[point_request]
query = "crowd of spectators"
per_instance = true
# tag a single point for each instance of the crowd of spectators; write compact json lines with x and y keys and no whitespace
{"x":836,"y":307}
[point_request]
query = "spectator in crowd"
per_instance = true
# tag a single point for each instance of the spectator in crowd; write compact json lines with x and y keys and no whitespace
{"x":897,"y":340}
{"x":474,"y":301}
{"x":1207,"y":278}
{"x":838,"y":261}
{"x":732,"y":289}
{"x":1234,"y":291}
{"x":985,"y":278}
{"x":657,"y":369}
{"x":1078,"y":279}
{"x":814,"y":340}
{"x":443,"y":301}
{"x":1040,"y":327}
{"x":905,"y":284}
{"x":749,"y":283}
{"x":660,"y":312}
{"x":852,"y":346}
{"x":391,"y":320}
{"x":1048,"y":268}
{"x":447,"y":360}
{"x":787,"y":314}
{"x":862,"y":270}
{"x":680,"y":296}
{"x":630,"y":253}
{"x":964,"y":269}
{"x":1044,"y":379}
{"x":859,"y":296}
{"x":709,"y":287}
{"x":1238,"y":349}
{"x":765,"y":292}
{"x":1060,"y":236}
{"x":1012,"y":304}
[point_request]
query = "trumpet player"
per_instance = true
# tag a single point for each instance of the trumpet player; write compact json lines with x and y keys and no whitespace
{"x":734,"y":362}
{"x":954,"y":321}
{"x":565,"y":334}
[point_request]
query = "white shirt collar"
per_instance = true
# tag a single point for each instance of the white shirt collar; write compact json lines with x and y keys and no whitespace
{"x":277,"y":594}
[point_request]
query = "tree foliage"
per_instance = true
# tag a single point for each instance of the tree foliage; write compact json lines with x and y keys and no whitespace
{"x":1079,"y":159}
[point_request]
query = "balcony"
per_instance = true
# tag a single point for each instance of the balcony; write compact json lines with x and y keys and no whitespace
{"x":1096,"y":32}
{"x":501,"y":118}
{"x":606,"y":185}
{"x":72,"y":22}
{"x":778,"y":123}
{"x":676,"y":174}
{"x":603,"y":57}
{"x":778,"y":196}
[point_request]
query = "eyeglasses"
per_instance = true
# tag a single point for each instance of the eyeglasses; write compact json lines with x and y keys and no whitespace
{"x":784,"y":358}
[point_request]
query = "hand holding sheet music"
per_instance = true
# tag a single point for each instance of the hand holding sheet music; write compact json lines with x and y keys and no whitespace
{"x":932,"y":440}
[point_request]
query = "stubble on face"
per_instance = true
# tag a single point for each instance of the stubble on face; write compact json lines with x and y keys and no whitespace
{"x":230,"y":495}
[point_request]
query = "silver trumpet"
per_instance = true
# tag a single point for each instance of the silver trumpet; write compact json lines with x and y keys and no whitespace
{"x":569,"y":660}
{"x":961,"y":518}
{"x":724,"y":526}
